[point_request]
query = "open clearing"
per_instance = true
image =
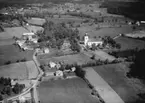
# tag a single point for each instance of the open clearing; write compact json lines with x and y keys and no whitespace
{"x":22,"y":70}
{"x":14,"y":31}
{"x":65,"y":91}
{"x":129,"y":43}
{"x":13,"y":53}
{"x":68,"y":59}
{"x":114,"y":75}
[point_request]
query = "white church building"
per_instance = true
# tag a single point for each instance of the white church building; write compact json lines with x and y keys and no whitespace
{"x":90,"y":41}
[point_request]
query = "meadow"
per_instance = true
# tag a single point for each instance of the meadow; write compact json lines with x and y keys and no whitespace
{"x":115,"y":76}
{"x":65,"y":91}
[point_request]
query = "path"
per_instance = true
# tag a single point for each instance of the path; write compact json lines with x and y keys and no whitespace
{"x":102,"y":87}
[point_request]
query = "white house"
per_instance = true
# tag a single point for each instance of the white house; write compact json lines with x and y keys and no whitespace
{"x":52,"y":64}
{"x":90,"y":41}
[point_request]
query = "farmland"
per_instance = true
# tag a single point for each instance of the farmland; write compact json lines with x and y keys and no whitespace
{"x":115,"y":76}
{"x":66,"y":19}
{"x":13,"y":53}
{"x":22,"y":70}
{"x":65,"y":91}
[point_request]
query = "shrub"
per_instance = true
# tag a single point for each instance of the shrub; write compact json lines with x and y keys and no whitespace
{"x":8,"y":62}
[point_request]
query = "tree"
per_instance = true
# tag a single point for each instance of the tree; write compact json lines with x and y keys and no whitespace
{"x":79,"y":72}
{"x":18,"y":88}
{"x":118,"y":46}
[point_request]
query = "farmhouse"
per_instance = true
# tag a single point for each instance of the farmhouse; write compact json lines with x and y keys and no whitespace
{"x":90,"y":41}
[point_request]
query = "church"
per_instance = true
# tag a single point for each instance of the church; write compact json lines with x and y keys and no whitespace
{"x":90,"y":41}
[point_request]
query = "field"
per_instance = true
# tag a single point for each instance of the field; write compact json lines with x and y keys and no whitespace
{"x":13,"y":53}
{"x":129,"y":43}
{"x":66,"y":19}
{"x":114,"y":75}
{"x":22,"y":70}
{"x":65,"y":91}
{"x":14,"y":31}
{"x":36,"y":21}
{"x":68,"y":59}
{"x":112,"y":32}
{"x":6,"y":42}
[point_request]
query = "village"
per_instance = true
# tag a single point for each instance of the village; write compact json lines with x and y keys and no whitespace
{"x":67,"y":48}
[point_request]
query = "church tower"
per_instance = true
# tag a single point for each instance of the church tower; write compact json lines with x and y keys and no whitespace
{"x":86,"y":39}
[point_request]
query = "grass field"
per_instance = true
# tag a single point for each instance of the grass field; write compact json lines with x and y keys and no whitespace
{"x":68,"y":59}
{"x":14,"y":31}
{"x":65,"y":91}
{"x":114,"y":75}
{"x":12,"y":53}
{"x":6,"y":42}
{"x":22,"y":70}
{"x":128,"y":43}
{"x":65,"y":19}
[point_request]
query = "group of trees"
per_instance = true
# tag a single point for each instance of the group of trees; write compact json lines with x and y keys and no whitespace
{"x":7,"y":88}
{"x":55,"y":34}
{"x":107,"y":40}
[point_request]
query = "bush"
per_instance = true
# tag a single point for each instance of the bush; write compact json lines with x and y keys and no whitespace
{"x":8,"y":62}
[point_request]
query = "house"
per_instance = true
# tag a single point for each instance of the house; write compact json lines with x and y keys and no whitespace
{"x":45,"y":50}
{"x":90,"y":41}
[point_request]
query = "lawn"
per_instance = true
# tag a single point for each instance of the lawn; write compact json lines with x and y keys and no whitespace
{"x":129,"y":43}
{"x":114,"y":75}
{"x":13,"y":53}
{"x":65,"y":91}
{"x":22,"y":70}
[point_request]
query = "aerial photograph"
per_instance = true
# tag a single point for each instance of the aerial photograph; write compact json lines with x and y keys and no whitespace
{"x":72,"y":51}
